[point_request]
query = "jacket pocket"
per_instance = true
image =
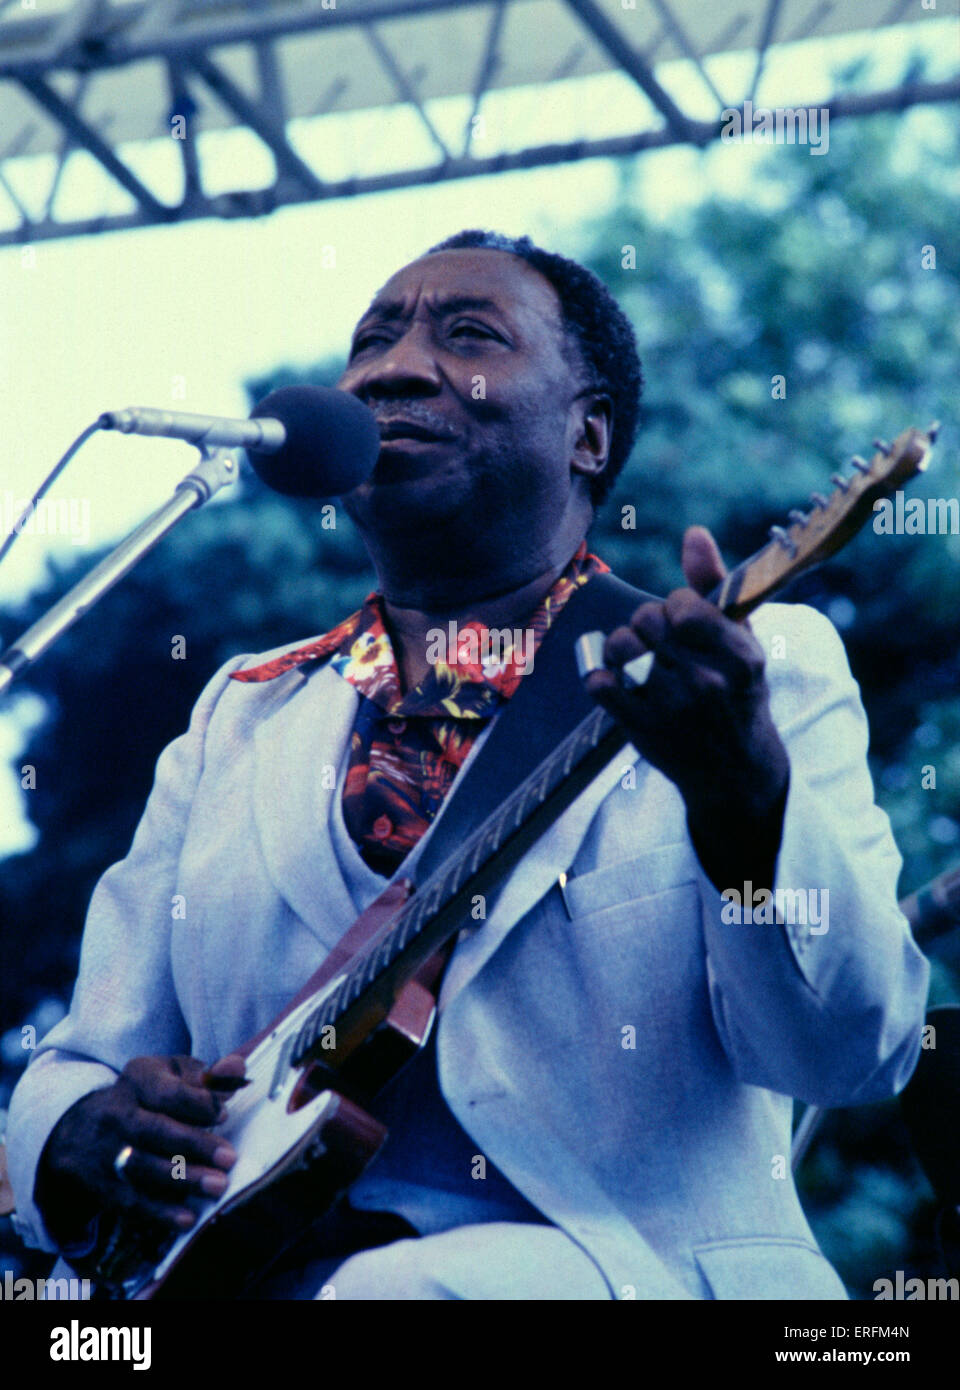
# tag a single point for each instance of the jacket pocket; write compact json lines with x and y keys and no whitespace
{"x":767,"y":1267}
{"x":667,"y":866}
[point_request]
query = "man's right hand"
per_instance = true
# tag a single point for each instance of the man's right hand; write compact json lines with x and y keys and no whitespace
{"x":162,"y":1109}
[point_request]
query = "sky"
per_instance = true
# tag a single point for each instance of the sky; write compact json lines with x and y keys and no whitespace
{"x":179,"y":317}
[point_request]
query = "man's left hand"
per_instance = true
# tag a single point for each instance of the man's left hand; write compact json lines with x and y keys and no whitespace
{"x":703,"y":717}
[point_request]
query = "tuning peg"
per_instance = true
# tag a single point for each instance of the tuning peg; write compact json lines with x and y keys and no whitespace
{"x":818,"y":500}
{"x":778,"y":534}
{"x":797,"y":516}
{"x":882,"y":445}
{"x":860,"y":464}
{"x":933,"y":430}
{"x":842,"y":483}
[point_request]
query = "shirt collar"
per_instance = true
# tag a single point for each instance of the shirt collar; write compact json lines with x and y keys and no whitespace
{"x":474,"y":667}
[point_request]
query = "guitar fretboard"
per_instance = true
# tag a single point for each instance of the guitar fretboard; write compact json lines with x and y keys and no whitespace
{"x":564,"y":773}
{"x":548,"y":779}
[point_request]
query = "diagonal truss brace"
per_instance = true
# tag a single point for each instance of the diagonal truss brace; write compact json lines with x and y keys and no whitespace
{"x":85,"y":135}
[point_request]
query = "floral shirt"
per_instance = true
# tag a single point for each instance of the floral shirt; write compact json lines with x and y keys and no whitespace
{"x":407,"y":747}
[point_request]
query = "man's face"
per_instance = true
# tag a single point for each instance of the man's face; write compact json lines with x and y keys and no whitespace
{"x":462,"y":359}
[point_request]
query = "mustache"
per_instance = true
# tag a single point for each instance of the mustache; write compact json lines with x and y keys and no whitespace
{"x":414,"y":411}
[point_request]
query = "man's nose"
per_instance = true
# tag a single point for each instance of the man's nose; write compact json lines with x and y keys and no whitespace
{"x":406,"y":366}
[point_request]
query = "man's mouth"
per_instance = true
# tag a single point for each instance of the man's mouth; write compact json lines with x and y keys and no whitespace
{"x":408,"y":426}
{"x":406,"y":429}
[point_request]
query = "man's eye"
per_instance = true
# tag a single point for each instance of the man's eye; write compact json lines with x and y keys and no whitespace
{"x":366,"y":339}
{"x":478,"y":330}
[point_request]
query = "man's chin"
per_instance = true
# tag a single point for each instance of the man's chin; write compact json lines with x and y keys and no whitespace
{"x":412,"y":460}
{"x":402,"y":492}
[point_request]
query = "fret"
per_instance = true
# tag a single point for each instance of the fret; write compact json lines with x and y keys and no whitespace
{"x":351,"y":987}
{"x":305,"y":1037}
{"x":391,"y":949}
{"x":363,"y":977}
{"x":436,"y":896}
{"x":523,"y":803}
{"x":455,"y":879}
{"x":477,"y":855}
{"x":341,"y":997}
{"x":284,"y":1060}
{"x":498,"y":832}
{"x":406,"y":929}
{"x":380,"y":959}
{"x":541,"y":788}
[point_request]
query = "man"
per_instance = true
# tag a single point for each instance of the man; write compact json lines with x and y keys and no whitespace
{"x":606,"y":1110}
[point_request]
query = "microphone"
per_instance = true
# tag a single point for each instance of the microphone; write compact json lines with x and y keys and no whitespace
{"x":315,"y":441}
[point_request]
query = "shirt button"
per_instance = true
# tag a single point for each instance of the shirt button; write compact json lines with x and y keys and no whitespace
{"x":382,"y":827}
{"x":396,"y":726}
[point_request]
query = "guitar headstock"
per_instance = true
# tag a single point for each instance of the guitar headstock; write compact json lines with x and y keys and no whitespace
{"x":813,"y":536}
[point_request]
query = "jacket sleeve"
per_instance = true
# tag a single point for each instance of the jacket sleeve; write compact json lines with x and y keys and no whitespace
{"x":124,"y":1003}
{"x":829,"y":1011}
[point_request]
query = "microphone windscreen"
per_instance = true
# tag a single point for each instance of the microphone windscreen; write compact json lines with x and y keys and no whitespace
{"x":332,"y":443}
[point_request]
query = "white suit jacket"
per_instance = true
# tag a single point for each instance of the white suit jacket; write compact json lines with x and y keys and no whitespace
{"x":624,"y":1055}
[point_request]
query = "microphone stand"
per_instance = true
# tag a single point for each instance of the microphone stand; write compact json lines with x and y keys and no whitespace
{"x":216,"y":469}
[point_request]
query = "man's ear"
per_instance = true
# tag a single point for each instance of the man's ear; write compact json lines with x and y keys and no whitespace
{"x":594,"y":434}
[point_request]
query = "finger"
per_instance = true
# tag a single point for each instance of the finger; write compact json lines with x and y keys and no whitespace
{"x":649,"y":622}
{"x":146,"y":1211}
{"x":227,"y":1075}
{"x":174,"y":1086}
{"x":157,"y":1134}
{"x":622,"y":705}
{"x":698,"y":626}
{"x":621,"y":646}
{"x":160,"y":1177}
{"x":702,"y":562}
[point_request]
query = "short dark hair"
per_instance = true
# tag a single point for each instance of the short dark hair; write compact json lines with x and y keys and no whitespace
{"x":598,"y":327}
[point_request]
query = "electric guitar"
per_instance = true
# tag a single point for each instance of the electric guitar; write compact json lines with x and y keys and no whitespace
{"x":301,"y":1126}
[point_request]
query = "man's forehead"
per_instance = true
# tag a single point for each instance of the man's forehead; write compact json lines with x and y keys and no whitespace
{"x":498,"y":278}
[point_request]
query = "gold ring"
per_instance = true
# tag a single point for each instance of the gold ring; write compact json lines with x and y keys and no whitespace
{"x":122,"y":1159}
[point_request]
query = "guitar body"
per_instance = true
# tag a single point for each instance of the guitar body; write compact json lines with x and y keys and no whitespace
{"x":299,"y":1143}
{"x":301,"y":1125}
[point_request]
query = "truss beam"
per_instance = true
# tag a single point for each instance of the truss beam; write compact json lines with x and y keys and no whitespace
{"x":245,"y":203}
{"x":220,"y":64}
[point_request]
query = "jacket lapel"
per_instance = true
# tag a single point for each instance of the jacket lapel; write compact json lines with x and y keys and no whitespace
{"x":533,"y":877}
{"x":298,"y":751}
{"x":309,"y":730}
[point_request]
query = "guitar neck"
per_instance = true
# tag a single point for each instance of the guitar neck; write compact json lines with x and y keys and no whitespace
{"x":832,"y":521}
{"x":438,"y":909}
{"x":441,"y":905}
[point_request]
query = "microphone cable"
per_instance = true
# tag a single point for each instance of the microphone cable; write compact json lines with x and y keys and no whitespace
{"x":48,"y":481}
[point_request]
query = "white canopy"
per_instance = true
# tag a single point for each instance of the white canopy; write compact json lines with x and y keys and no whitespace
{"x":98,"y":75}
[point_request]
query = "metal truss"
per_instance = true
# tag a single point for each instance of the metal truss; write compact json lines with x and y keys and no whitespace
{"x":109,"y":78}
